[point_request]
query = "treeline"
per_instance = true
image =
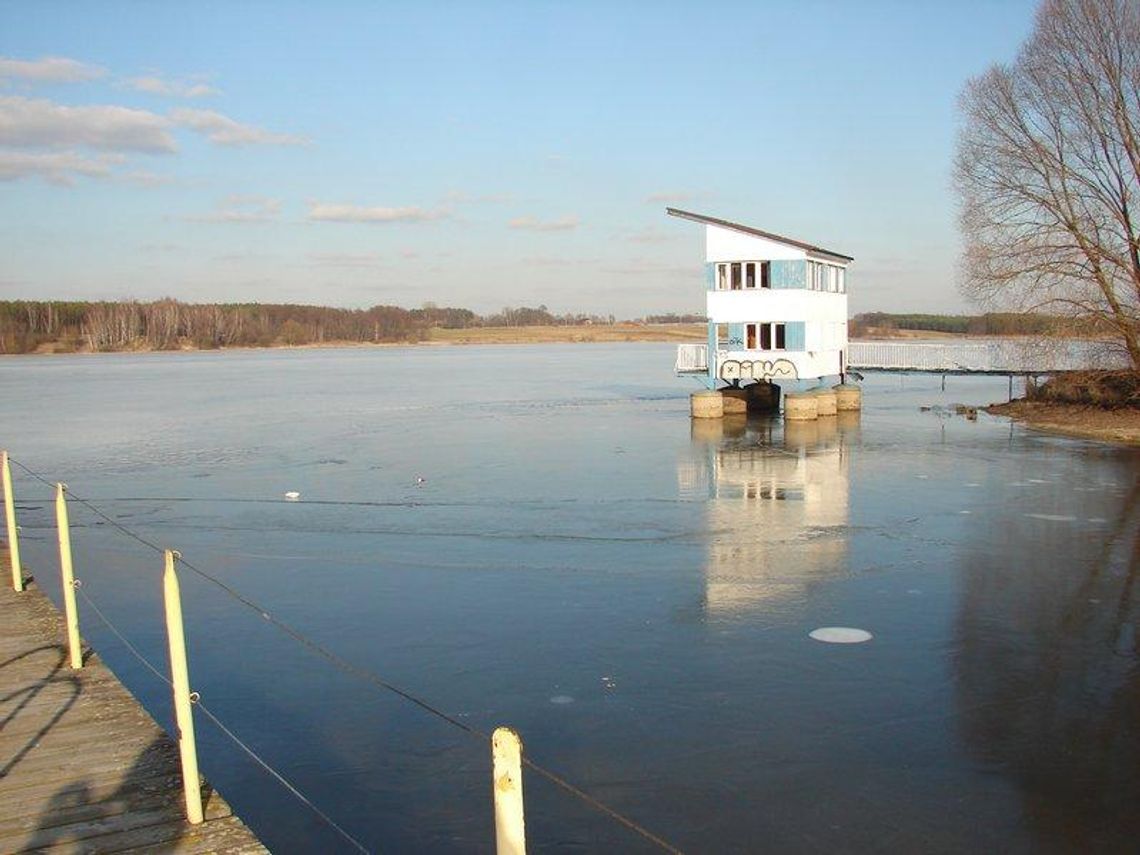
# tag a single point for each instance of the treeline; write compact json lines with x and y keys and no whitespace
{"x":26,"y":325}
{"x":672,"y":318}
{"x":991,"y":323}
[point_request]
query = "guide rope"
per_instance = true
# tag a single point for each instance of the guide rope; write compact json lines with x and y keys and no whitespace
{"x":346,"y":667}
{"x":197,"y":702}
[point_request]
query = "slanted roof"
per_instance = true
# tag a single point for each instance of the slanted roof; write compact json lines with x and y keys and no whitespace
{"x":748,"y":230}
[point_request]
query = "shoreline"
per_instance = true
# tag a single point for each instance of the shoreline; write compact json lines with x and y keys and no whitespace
{"x":1118,"y":427}
{"x":437,"y":337}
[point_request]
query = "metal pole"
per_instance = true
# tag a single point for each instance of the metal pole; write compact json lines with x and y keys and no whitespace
{"x":13,"y":532}
{"x":180,"y":682}
{"x":510,"y":831}
{"x":67,"y":576}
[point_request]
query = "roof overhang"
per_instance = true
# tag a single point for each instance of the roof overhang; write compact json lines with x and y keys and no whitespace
{"x":810,"y":249}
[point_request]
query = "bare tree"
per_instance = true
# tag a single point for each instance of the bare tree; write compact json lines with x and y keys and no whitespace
{"x":1048,"y":171}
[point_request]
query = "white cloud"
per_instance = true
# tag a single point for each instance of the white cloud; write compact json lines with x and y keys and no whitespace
{"x":143,"y":178}
{"x":55,"y":167}
{"x":562,"y":224}
{"x":49,"y":69}
{"x":171,"y":88}
{"x":650,"y":236}
{"x":223,"y":130}
{"x":346,"y":259}
{"x":30,"y":122}
{"x":334,"y":213}
{"x":237,"y":208}
{"x":36,"y":122}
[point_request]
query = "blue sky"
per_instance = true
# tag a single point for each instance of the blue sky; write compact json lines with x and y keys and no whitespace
{"x":478,"y":154}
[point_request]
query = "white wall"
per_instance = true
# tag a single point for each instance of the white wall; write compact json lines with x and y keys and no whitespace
{"x":775,"y":304}
{"x":809,"y":366}
{"x":723,"y":244}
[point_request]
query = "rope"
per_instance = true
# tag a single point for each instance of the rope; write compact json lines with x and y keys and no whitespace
{"x":95,"y":510}
{"x":253,"y":755}
{"x":127,"y":644}
{"x":279,"y":778}
{"x":356,"y":671}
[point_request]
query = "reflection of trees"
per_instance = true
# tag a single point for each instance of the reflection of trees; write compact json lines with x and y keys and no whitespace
{"x":777,"y":506}
{"x":1048,"y":671}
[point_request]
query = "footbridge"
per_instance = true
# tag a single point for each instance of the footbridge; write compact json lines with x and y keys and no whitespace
{"x":1006,"y":356}
{"x":1003,"y":356}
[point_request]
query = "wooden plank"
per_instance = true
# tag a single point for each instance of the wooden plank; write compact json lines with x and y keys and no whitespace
{"x":83,"y":768}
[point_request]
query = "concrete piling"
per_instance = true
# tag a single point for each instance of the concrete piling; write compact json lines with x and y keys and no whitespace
{"x":800,"y":406}
{"x":848,"y":397}
{"x":706,"y":405}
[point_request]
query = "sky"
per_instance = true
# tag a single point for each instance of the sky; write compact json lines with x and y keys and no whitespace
{"x":479,"y":154}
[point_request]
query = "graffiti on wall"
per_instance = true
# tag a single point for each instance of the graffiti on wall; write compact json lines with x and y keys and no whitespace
{"x":758,"y":369}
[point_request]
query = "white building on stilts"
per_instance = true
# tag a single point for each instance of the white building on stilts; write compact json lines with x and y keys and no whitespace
{"x":776,"y":307}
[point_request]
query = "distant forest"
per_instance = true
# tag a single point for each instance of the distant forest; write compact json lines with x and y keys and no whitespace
{"x":26,"y":325}
{"x":992,"y":323}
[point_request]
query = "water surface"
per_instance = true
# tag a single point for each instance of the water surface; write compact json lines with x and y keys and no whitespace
{"x":539,"y":537}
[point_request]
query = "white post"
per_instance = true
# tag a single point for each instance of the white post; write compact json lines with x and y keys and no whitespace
{"x":180,"y":680}
{"x":10,"y":516}
{"x":67,"y":577}
{"x":510,"y":831}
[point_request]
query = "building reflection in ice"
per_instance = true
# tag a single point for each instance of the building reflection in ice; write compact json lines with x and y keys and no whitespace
{"x":777,"y":499}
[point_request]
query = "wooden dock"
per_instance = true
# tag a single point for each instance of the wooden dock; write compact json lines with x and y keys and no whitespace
{"x":83,"y":768}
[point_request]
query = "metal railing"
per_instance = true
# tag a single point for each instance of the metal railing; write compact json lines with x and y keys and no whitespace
{"x":692,"y":359}
{"x":996,"y":356}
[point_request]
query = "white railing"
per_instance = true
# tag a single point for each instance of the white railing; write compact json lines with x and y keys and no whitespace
{"x":692,"y":359}
{"x":998,"y":356}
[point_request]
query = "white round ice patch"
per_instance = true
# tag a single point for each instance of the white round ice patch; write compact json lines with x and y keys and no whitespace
{"x":562,"y":699}
{"x":840,"y":635}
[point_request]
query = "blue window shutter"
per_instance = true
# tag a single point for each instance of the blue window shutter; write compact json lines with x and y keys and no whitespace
{"x":736,"y":336}
{"x":794,"y":335}
{"x":710,"y":276}
{"x":789,"y":274}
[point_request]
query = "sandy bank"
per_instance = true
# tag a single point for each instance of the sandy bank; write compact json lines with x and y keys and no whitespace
{"x":1117,"y":426}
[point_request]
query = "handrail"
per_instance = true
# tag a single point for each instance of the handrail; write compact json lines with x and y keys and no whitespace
{"x":337,"y":662}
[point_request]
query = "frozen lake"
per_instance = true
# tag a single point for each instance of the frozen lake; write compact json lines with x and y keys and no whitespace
{"x":537,"y":536}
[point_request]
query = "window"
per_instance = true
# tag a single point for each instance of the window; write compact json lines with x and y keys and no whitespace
{"x":736,"y":276}
{"x":770,"y":336}
{"x":722,"y":277}
{"x":765,"y":274}
{"x":750,"y":275}
{"x":842,"y":281}
{"x":722,"y":336}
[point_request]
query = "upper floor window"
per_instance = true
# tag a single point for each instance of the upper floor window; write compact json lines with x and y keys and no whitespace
{"x":830,"y":278}
{"x":743,"y":275}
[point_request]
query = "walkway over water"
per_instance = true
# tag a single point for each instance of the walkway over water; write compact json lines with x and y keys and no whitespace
{"x":84,"y":767}
{"x":993,"y":356}
{"x":990,"y":356}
